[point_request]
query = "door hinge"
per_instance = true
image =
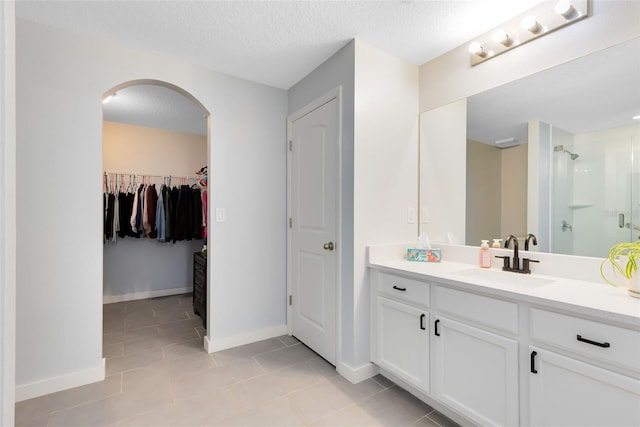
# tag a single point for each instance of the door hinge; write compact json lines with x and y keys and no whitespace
{"x":290,"y":299}
{"x":290,"y":223}
{"x":290,"y":145}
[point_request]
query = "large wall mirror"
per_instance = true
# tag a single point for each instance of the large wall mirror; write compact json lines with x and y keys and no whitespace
{"x":556,"y":153}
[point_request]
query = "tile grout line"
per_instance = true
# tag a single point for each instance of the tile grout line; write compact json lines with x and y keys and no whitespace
{"x":260,"y":366}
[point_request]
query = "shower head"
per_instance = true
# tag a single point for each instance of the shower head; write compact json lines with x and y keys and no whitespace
{"x":572,"y":155}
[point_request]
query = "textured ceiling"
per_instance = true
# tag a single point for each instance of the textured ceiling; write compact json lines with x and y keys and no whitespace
{"x":279,"y":42}
{"x":155,"y":106}
{"x":276,"y":42}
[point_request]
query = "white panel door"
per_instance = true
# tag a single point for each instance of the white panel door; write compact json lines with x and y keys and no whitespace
{"x":314,"y":212}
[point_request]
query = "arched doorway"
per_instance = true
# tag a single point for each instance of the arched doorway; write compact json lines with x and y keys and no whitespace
{"x":155,"y":137}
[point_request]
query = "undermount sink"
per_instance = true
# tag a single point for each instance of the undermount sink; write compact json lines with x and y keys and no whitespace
{"x":504,"y":277}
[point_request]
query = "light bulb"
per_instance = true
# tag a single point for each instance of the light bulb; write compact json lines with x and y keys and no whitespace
{"x":532,"y":25}
{"x":566,"y":9}
{"x":475,"y":48}
{"x":502,"y":38}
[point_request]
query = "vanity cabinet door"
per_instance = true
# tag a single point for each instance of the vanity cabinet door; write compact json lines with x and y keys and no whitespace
{"x":567,"y":392}
{"x":475,"y":372}
{"x":403,"y":342}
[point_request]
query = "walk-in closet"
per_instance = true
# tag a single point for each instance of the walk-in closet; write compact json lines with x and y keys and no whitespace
{"x":155,"y":186}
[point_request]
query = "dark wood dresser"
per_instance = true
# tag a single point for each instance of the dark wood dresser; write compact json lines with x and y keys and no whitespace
{"x":200,"y":286}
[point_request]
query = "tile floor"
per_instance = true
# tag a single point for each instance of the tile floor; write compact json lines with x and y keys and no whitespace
{"x":158,"y":374}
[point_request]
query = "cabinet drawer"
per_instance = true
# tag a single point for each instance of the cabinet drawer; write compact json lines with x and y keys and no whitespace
{"x":412,"y":291}
{"x":199,"y":278}
{"x":199,"y":268}
{"x":597,"y":340}
{"x":494,"y":313}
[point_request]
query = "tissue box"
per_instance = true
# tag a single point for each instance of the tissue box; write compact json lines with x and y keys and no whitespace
{"x":424,"y":255}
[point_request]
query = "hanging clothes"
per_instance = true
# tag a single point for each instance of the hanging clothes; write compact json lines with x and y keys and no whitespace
{"x":108,"y":226}
{"x":166,"y":214}
{"x":150,"y":208}
{"x":139,"y":210}
{"x":124,"y":211}
{"x":203,"y":231}
{"x":196,"y":213}
{"x":134,"y":215}
{"x":116,"y":219}
{"x":160,"y":216}
{"x":180,"y":231}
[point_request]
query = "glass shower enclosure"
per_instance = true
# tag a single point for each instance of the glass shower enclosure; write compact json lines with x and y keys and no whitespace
{"x":595,"y":190}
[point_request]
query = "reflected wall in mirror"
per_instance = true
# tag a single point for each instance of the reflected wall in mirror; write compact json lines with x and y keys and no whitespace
{"x":553,"y":154}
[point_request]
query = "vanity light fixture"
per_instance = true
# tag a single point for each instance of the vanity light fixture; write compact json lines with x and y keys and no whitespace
{"x":532,"y":25}
{"x":476,"y":48}
{"x":636,"y":117}
{"x":503,"y":38}
{"x":565,"y":9}
{"x":536,"y":22}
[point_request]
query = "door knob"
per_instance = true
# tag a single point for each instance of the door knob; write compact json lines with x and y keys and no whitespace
{"x":328,"y":246}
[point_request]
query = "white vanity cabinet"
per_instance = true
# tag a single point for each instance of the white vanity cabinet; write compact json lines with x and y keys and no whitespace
{"x":475,"y":366}
{"x":585,"y":385}
{"x":488,"y":357}
{"x":402,"y":334}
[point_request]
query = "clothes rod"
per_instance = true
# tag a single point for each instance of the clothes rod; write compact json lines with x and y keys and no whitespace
{"x":151,"y":176}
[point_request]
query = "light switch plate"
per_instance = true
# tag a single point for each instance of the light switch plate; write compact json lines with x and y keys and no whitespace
{"x":221,"y":215}
{"x":411,"y":215}
{"x":424,"y":215}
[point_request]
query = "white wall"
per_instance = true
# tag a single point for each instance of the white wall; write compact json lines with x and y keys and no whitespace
{"x":60,"y":83}
{"x":539,"y":177}
{"x":443,"y":171}
{"x":385,"y":168}
{"x":7,"y":212}
{"x":168,"y":266}
{"x":379,"y":170}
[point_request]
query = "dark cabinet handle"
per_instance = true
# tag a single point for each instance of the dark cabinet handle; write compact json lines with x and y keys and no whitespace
{"x":399,"y":289}
{"x":533,"y":362}
{"x":599,"y":344}
{"x":435,"y":327}
{"x":422,"y":316}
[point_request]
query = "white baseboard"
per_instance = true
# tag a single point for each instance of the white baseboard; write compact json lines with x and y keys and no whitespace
{"x":52,"y":385}
{"x":241,"y":339}
{"x":108,"y":299}
{"x":356,"y":375}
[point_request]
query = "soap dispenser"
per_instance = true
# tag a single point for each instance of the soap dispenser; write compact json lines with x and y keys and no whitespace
{"x":496,"y":243}
{"x":485,"y":255}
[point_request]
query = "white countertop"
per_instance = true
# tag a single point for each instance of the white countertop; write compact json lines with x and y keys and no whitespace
{"x":589,"y":298}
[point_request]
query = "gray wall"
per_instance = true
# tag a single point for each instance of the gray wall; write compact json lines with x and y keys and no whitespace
{"x":60,"y":83}
{"x":338,"y":71}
